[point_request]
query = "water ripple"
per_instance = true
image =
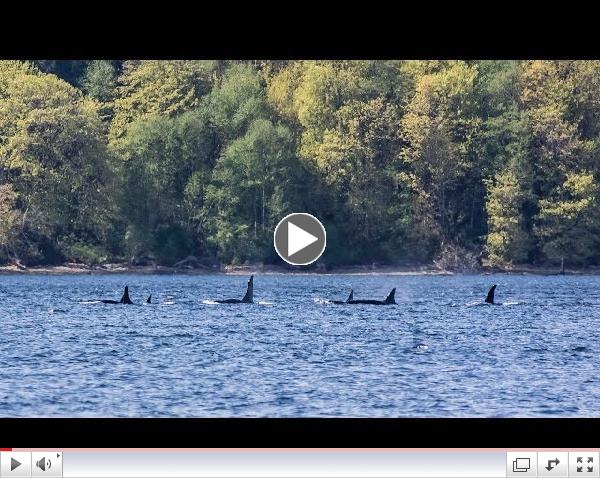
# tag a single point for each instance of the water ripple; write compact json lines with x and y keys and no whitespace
{"x":440,"y":352}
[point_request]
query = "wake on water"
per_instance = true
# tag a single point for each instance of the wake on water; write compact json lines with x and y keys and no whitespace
{"x":213,"y":302}
{"x":321,"y":301}
{"x":317,"y":300}
{"x":484,"y":304}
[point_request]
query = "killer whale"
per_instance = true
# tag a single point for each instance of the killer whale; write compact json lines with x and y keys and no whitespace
{"x":389,"y":300}
{"x":248,"y":298}
{"x":149,"y":299}
{"x":350,"y":297}
{"x":124,"y":299}
{"x":490,"y":295}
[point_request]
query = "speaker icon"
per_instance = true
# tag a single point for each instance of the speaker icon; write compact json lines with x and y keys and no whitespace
{"x":43,"y":463}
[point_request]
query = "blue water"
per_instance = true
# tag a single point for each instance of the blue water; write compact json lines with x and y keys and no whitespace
{"x":438,"y":353}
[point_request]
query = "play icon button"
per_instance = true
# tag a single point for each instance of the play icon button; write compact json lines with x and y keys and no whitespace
{"x":15,"y":463}
{"x":300,"y":239}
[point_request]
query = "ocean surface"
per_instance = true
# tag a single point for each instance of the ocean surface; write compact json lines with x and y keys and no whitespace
{"x":440,"y":352}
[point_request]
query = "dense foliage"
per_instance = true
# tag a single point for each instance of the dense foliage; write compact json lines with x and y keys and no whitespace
{"x":404,"y":161}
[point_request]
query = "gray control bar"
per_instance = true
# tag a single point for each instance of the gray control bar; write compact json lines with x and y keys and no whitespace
{"x":281,"y":463}
{"x":297,"y":463}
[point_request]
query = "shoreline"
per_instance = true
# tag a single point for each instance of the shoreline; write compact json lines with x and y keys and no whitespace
{"x":109,"y":269}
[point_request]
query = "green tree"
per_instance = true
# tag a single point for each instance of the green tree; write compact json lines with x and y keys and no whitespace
{"x":347,"y":116}
{"x":507,"y":240}
{"x":402,"y":160}
{"x":9,"y":221}
{"x":100,"y":80}
{"x":236,"y":101}
{"x":502,"y":154}
{"x":569,"y":222}
{"x":53,"y":153}
{"x":159,"y":87}
{"x":161,"y":156}
{"x":439,"y":127}
{"x":561,"y":156}
{"x":251,"y":190}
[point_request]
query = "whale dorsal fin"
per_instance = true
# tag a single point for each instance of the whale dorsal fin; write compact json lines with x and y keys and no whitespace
{"x":249,"y":291}
{"x":149,"y":300}
{"x":351,"y":296}
{"x":391,"y":298}
{"x":490,"y":297}
{"x":125,"y":299}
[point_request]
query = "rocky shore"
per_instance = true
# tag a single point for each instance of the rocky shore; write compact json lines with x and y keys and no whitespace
{"x":125,"y":268}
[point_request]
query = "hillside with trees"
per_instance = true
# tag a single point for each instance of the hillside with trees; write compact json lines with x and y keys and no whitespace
{"x":405,"y":162}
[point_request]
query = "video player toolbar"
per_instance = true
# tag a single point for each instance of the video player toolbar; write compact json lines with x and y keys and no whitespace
{"x":297,"y":463}
{"x":23,"y":464}
{"x":553,"y":464}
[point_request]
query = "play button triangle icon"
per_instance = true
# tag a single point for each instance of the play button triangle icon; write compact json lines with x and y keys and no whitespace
{"x":298,"y":239}
{"x":14,"y":464}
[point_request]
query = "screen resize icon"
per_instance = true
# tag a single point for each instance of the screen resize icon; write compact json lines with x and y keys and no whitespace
{"x":583,"y":463}
{"x":521,"y":465}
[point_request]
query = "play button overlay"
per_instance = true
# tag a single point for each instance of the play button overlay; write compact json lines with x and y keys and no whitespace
{"x":15,"y":464}
{"x":300,"y":239}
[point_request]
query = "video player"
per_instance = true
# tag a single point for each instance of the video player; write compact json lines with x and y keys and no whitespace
{"x":275,"y":243}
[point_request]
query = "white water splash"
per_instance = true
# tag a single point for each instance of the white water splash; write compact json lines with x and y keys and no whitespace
{"x":322,"y":301}
{"x":511,"y":303}
{"x":476,"y":304}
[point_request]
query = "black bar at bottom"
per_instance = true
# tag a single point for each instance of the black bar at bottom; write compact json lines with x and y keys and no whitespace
{"x":307,"y":432}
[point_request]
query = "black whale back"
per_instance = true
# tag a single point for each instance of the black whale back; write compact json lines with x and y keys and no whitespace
{"x":125,"y":299}
{"x":490,"y":296}
{"x":249,"y":297}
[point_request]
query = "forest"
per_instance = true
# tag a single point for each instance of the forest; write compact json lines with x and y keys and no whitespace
{"x":457,"y":163}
